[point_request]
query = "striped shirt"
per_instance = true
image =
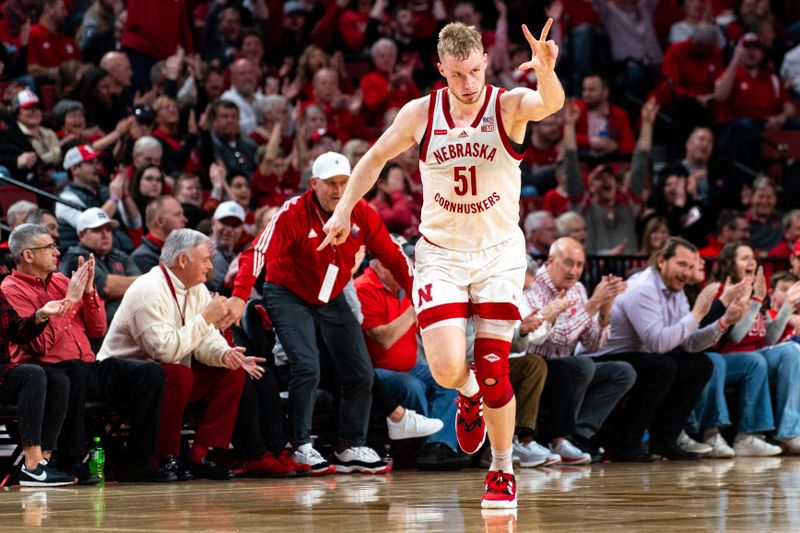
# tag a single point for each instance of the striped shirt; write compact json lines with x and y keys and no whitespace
{"x":573,"y":325}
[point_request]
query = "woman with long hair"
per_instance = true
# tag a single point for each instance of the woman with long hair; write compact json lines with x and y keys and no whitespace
{"x":745,"y":355}
{"x":656,"y":233}
{"x":148,"y":184}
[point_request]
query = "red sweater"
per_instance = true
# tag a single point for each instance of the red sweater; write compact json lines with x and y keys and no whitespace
{"x":66,"y":337}
{"x":619,"y":128}
{"x":156,"y":27}
{"x":380,"y":306}
{"x":288,"y":249}
{"x":691,"y":74}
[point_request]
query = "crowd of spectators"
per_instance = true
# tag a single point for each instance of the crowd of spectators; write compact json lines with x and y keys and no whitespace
{"x":173,"y":133}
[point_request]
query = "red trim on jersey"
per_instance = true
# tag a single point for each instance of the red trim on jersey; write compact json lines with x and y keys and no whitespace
{"x":502,"y":130}
{"x":478,"y":117}
{"x":423,"y":151}
{"x":495,"y":310}
{"x":441,"y":312}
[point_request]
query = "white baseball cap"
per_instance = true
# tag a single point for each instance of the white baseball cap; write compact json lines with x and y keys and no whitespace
{"x":78,"y":154}
{"x":24,"y":99}
{"x":229,"y":209}
{"x":94,"y":217}
{"x":330,"y":164}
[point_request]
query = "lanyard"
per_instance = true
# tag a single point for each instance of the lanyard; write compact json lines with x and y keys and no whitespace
{"x":322,"y":222}
{"x":174,"y":295}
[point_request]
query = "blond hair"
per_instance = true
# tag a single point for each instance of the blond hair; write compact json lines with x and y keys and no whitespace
{"x":459,"y":40}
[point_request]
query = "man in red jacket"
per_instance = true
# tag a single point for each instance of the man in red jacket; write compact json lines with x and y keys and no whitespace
{"x":304,"y":297}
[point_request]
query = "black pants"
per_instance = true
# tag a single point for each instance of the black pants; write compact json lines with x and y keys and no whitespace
{"x":667,"y":387}
{"x":259,"y":422}
{"x":562,"y":396}
{"x":134,"y":387}
{"x":41,"y":398}
{"x":297,"y":324}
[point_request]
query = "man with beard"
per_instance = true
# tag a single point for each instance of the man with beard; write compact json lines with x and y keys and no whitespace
{"x":610,"y":217}
{"x":602,"y":127}
{"x":243,"y":93}
{"x":47,"y":46}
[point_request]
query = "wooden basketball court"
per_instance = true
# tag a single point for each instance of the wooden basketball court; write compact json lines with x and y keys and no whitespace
{"x":747,"y":494}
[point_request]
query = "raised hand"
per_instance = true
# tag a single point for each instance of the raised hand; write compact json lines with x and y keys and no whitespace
{"x":704,"y":300}
{"x":89,"y":287}
{"x":531,"y":323}
{"x":543,"y":52}
{"x":793,"y":295}
{"x":650,"y":111}
{"x":734,"y":313}
{"x":54,"y":308}
{"x":551,"y":311}
{"x":77,"y":283}
{"x":760,"y":284}
{"x":216,"y":310}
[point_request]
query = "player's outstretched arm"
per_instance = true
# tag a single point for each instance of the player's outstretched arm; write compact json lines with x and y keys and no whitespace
{"x":549,"y":98}
{"x":397,"y":138}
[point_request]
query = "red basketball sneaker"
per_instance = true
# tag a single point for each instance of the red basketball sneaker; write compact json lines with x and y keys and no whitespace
{"x":470,"y":427}
{"x":501,"y":491}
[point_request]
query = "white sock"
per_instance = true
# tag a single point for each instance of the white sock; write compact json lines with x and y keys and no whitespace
{"x":502,"y":461}
{"x":470,"y":388}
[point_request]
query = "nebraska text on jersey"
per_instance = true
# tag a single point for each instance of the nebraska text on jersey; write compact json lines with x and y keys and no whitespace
{"x":470,"y":177}
{"x":453,"y":151}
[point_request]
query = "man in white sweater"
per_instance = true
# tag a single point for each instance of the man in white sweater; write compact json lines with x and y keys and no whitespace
{"x":168,"y":316}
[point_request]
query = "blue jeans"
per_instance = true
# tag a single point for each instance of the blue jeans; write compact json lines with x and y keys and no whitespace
{"x":749,"y":371}
{"x":417,"y":390}
{"x":783,"y":361}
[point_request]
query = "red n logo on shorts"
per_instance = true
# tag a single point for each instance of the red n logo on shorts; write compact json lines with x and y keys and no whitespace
{"x":425,"y":295}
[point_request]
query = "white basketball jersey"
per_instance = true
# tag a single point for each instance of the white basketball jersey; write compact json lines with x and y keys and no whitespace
{"x":470,"y":177}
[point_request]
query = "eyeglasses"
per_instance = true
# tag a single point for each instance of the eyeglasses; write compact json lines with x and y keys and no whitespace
{"x":51,"y":246}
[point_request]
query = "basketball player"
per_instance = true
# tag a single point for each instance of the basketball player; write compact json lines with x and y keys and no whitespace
{"x":471,"y":259}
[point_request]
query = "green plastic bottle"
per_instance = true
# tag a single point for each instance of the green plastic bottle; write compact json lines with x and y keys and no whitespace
{"x":97,"y":461}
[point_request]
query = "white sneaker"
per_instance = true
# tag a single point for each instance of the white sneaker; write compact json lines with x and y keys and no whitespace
{"x":359,"y":459}
{"x":413,"y":425}
{"x":720,"y":449}
{"x":533,"y":454}
{"x":307,"y":455}
{"x":688,"y":444}
{"x":791,"y":446}
{"x":748,"y":445}
{"x":570,"y":454}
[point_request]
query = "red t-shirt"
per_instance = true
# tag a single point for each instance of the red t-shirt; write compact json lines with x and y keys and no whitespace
{"x":691,"y":74}
{"x":48,"y":49}
{"x":758,"y":97}
{"x":554,"y":202}
{"x":380,"y":306}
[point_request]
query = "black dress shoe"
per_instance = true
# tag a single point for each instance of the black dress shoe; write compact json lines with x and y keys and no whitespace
{"x":145,"y":473}
{"x":208,"y":469}
{"x":632,"y":455}
{"x":675,"y":452}
{"x":440,"y":456}
{"x":170,"y":463}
